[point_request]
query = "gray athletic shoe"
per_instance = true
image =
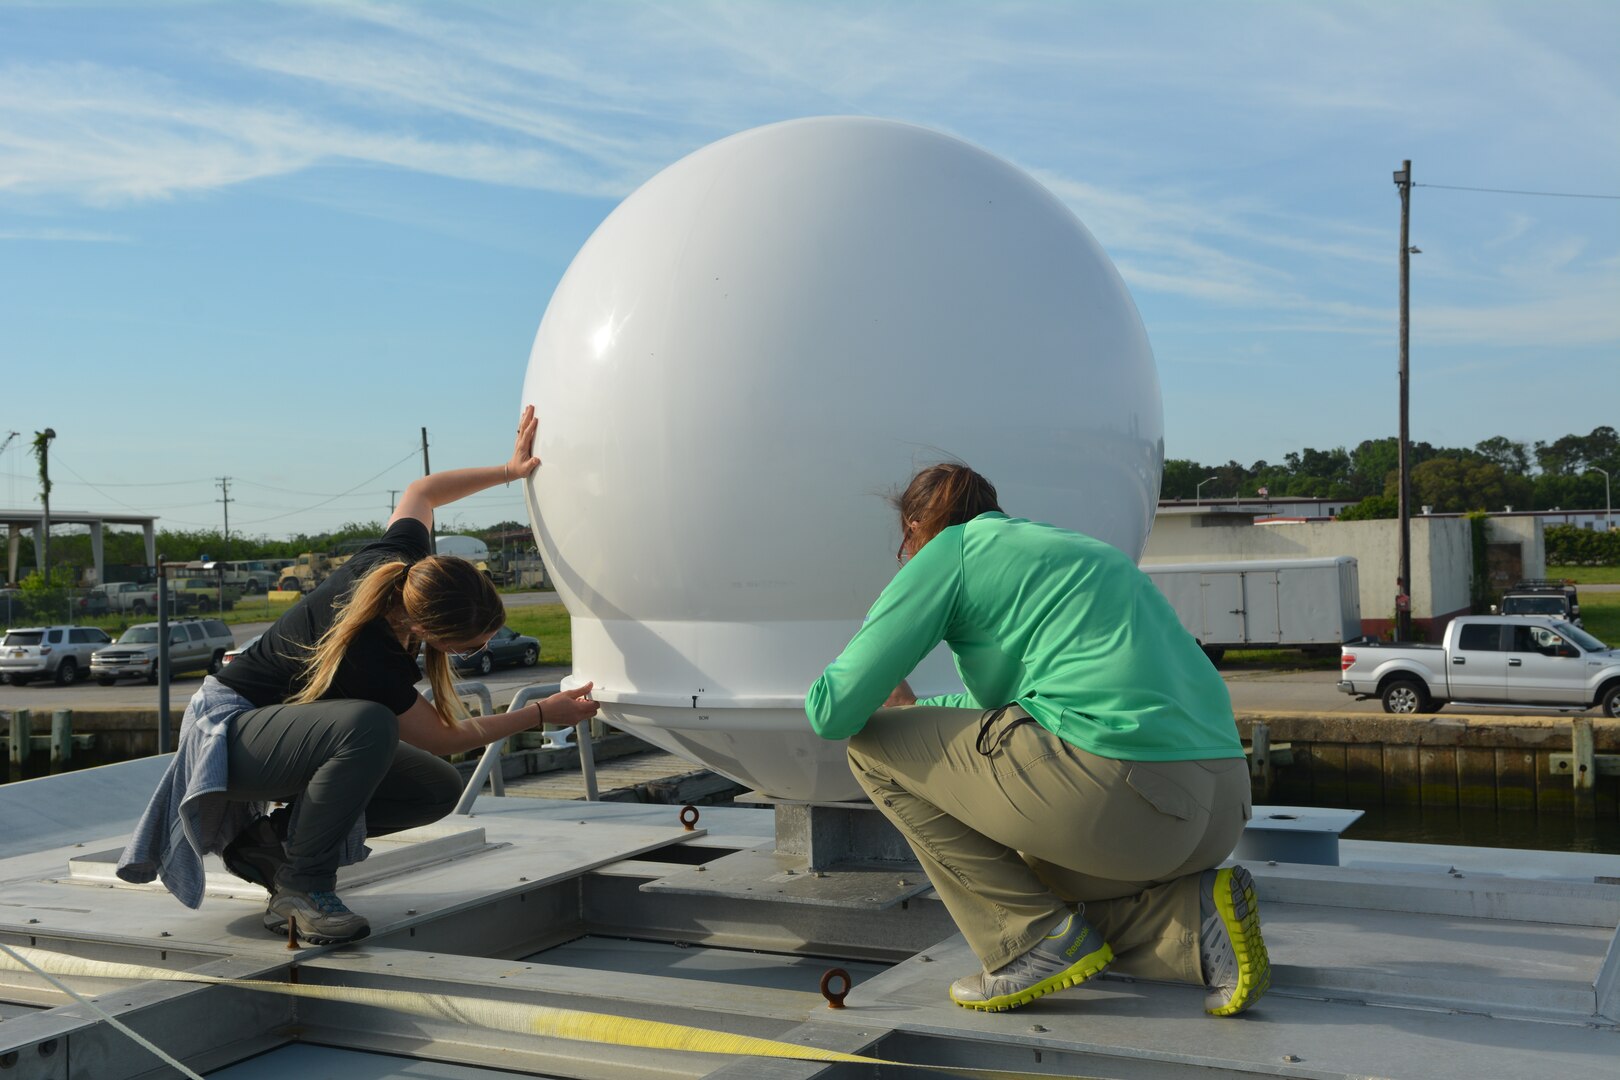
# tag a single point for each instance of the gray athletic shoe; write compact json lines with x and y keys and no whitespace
{"x":319,"y":916}
{"x":1237,"y":970}
{"x":1071,"y":954}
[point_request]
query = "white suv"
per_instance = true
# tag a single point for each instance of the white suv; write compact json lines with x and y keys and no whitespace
{"x":60,"y":651}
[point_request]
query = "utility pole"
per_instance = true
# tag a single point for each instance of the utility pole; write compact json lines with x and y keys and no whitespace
{"x":433,"y":531}
{"x":393,"y":499}
{"x":226,"y":500}
{"x":1403,"y":619}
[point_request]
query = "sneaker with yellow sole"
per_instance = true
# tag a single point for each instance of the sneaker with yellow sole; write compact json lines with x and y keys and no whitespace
{"x":1237,"y":971}
{"x":1073,"y":953}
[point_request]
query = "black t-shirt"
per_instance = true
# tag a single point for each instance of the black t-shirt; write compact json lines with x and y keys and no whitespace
{"x":375,"y":667}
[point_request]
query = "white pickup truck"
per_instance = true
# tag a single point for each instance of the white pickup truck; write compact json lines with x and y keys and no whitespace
{"x":1529,"y":661}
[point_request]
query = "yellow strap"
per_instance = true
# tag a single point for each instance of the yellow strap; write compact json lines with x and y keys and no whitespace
{"x":508,"y":1016}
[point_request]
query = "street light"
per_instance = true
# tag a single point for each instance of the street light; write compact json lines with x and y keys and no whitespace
{"x":1608,"y":511}
{"x":1198,"y":492}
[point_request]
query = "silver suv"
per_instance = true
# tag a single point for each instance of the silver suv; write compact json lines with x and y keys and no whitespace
{"x":63,"y":652}
{"x":194,"y":645}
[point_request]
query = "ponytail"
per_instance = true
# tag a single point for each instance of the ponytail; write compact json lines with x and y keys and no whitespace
{"x":448,"y":598}
{"x":377,"y":594}
{"x":937,"y":498}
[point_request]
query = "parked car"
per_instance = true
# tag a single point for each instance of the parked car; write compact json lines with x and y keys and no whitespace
{"x":506,"y":648}
{"x":232,"y":654}
{"x":62,"y":652}
{"x":1524,"y":660}
{"x":194,"y":645}
{"x":1543,"y":596}
{"x":204,"y":592}
{"x":127,"y":596}
{"x":89,"y":604}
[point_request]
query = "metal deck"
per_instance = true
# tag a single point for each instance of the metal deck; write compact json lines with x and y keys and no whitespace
{"x":1407,"y":961}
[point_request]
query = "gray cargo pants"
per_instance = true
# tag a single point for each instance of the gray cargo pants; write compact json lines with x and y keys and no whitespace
{"x":339,"y":759}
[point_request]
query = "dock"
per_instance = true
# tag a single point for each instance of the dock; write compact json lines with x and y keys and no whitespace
{"x":1406,"y":961}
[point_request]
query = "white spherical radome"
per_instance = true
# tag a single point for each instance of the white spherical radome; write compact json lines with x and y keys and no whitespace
{"x":751,"y":354}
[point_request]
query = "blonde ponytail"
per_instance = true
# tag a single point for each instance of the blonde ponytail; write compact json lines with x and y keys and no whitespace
{"x":452,"y":711}
{"x":448,"y":598}
{"x":376,"y":595}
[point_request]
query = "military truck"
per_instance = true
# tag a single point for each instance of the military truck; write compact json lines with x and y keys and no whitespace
{"x":313,"y":567}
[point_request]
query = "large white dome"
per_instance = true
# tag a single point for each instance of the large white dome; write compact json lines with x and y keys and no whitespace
{"x":759,"y":346}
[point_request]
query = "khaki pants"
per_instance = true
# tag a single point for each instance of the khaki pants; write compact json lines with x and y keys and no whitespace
{"x":1011,"y":838}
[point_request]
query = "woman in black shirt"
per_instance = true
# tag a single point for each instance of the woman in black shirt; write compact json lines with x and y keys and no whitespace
{"x":322,"y":713}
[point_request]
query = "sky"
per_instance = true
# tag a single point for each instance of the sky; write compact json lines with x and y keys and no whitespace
{"x":273,"y":241}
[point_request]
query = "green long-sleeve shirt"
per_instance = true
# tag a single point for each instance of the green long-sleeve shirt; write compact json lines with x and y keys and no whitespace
{"x":1060,"y":623}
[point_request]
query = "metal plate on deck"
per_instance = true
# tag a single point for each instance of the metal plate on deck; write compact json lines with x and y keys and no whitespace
{"x":769,"y":875}
{"x":396,"y":853}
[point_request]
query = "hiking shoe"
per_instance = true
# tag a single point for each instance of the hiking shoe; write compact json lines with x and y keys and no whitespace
{"x":319,"y":917}
{"x":256,"y":853}
{"x":1071,"y":954}
{"x":1237,"y":970}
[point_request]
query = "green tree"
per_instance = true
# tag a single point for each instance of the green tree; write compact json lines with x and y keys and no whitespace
{"x":1502,"y":451}
{"x":1181,"y":476}
{"x":1371,"y":508}
{"x":1452,"y":485}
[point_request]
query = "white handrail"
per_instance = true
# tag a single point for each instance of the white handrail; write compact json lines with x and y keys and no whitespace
{"x":492,"y":753}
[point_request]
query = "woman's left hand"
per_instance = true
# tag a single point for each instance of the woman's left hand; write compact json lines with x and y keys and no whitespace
{"x":523,"y":460}
{"x":570,"y":707}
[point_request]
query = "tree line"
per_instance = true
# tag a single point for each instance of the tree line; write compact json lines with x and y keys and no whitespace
{"x":1493,"y":474}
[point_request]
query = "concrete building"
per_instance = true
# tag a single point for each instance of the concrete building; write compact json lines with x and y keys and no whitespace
{"x":15,"y":521}
{"x":1442,"y":553}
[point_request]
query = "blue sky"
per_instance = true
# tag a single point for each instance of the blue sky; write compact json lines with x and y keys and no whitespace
{"x":272,"y":241}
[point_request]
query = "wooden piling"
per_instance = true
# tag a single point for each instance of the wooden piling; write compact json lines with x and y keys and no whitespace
{"x":1261,"y":772}
{"x":61,"y":738}
{"x":1584,"y":782}
{"x":21,"y":736}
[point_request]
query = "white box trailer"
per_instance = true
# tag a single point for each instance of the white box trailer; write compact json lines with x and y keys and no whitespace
{"x":1312,"y":604}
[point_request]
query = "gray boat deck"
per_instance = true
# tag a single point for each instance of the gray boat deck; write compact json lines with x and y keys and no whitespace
{"x":1409,"y":961}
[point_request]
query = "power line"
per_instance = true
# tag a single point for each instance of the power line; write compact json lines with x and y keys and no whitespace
{"x":1513,"y":191}
{"x":304,"y":510}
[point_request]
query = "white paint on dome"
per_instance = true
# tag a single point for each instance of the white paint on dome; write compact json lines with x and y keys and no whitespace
{"x":751,"y":353}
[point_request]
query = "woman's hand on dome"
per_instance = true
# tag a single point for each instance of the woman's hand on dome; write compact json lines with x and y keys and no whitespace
{"x":570,"y":707}
{"x":523,"y":460}
{"x":901,"y":696}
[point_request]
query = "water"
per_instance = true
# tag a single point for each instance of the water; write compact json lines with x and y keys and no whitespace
{"x":1487,"y":828}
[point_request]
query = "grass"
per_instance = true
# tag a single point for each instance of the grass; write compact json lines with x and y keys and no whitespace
{"x":1587,"y":575}
{"x":548,"y":623}
{"x":1272,"y":659}
{"x":1600,"y":616}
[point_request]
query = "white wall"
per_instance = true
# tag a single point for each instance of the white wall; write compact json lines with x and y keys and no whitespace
{"x":1442,"y":554}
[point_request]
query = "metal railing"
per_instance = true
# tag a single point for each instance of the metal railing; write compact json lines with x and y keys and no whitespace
{"x":488,"y":764}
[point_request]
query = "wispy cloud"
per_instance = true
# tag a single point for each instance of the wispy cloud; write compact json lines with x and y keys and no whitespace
{"x":64,"y":236}
{"x":1151,"y":138}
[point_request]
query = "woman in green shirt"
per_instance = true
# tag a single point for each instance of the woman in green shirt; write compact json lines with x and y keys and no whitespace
{"x":1072,"y":806}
